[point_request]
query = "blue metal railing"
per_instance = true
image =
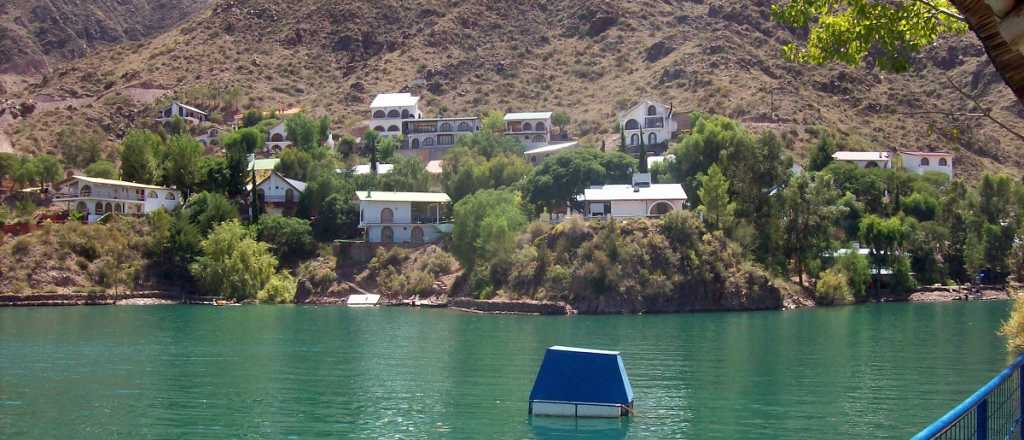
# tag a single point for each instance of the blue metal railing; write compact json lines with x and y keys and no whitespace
{"x":991,"y":413}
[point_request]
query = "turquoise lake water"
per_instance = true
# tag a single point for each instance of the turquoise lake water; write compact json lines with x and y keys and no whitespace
{"x":194,"y":372}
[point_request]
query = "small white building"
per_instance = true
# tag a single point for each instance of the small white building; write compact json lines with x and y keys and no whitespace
{"x":278,"y":194}
{"x":388,"y":110}
{"x":96,"y":197}
{"x":404,"y":217}
{"x":532,"y":129}
{"x":277,"y":138}
{"x":650,"y":119}
{"x":922,"y":161}
{"x":865,"y":159}
{"x":186,"y":112}
{"x":382,"y":168}
{"x":537,"y":155}
{"x":639,"y":200}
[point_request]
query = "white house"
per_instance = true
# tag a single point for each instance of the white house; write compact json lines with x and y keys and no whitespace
{"x":533,"y":129}
{"x":430,"y":139}
{"x":404,"y":217}
{"x":278,"y":194}
{"x":277,"y":138}
{"x":865,"y":159}
{"x":639,"y":200}
{"x":537,"y":155}
{"x":388,"y":110}
{"x":922,"y":161}
{"x":210,"y":138}
{"x":95,"y":197}
{"x":188,"y":113}
{"x":650,"y":119}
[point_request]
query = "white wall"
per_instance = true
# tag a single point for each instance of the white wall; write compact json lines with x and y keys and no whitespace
{"x":414,"y":111}
{"x":639,"y":113}
{"x":403,"y":233}
{"x":913,"y":164}
{"x":370,"y":211}
{"x":275,"y":189}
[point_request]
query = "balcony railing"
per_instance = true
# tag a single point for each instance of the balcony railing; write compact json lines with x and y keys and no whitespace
{"x":415,"y":220}
{"x":94,"y":194}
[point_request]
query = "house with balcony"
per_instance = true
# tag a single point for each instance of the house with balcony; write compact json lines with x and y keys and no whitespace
{"x":279,"y":195}
{"x":641,"y":199}
{"x":651,"y":121}
{"x":430,"y":139}
{"x":186,"y":112}
{"x":389,"y":110}
{"x":95,"y":197}
{"x":923,"y":161}
{"x":533,"y":129}
{"x":865,"y":159}
{"x":404,"y":217}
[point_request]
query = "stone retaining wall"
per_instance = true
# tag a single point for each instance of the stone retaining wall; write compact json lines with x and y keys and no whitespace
{"x":511,"y":307}
{"x":82,"y":299}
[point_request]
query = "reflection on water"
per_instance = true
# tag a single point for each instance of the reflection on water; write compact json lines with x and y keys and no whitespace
{"x":879,"y":371}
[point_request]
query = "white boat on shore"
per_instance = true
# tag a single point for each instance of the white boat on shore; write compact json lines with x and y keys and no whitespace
{"x":364,"y":300}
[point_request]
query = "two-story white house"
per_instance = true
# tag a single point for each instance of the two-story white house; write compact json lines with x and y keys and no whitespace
{"x":923,"y":161}
{"x":404,"y":217}
{"x":277,"y":139}
{"x":96,"y":197}
{"x":278,"y":194}
{"x":640,"y":200}
{"x":650,"y":119}
{"x":186,"y":112}
{"x":865,"y":159}
{"x":388,"y":110}
{"x":431,"y":138}
{"x":532,"y":129}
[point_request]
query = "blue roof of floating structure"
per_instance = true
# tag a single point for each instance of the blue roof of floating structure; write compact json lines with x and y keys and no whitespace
{"x":570,"y":374}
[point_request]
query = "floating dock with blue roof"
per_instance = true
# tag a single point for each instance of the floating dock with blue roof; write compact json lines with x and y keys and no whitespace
{"x":579,"y":382}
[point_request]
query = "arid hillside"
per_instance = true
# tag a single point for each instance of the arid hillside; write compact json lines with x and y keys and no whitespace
{"x":588,"y":58}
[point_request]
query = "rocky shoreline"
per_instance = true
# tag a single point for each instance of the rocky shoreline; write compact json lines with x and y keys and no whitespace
{"x":92,"y":299}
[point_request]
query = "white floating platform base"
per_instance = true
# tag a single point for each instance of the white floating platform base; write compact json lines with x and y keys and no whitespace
{"x":571,"y":409}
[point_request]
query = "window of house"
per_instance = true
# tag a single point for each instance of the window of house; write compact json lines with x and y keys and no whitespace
{"x":393,"y":128}
{"x":632,"y":124}
{"x":415,"y":143}
{"x":152,"y":195}
{"x":527,"y":126}
{"x":379,"y":114}
{"x":446,"y":126}
{"x":652,"y":110}
{"x":463,"y":126}
{"x":446,"y":139}
{"x":394,"y":114}
{"x":86,"y":191}
{"x":634,"y":139}
{"x":428,"y":142}
{"x":924,"y":162}
{"x":540,"y":126}
{"x":943,"y":162}
{"x":169,"y":196}
{"x":406,"y":114}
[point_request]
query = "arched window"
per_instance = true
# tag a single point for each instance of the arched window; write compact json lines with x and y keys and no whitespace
{"x":387,"y":216}
{"x":99,"y":208}
{"x":107,"y":208}
{"x":943,"y":162}
{"x":446,"y":126}
{"x":86,"y":191}
{"x":415,"y":143}
{"x":540,"y":127}
{"x":634,"y":139}
{"x":289,"y":196}
{"x":632,"y":125}
{"x":925,"y":162}
{"x":118,"y":208}
{"x":652,"y":110}
{"x":395,"y":114}
{"x":277,"y":137}
{"x":152,"y":195}
{"x":387,"y":235}
{"x":379,"y":128}
{"x":871,"y":164}
{"x":80,"y":207}
{"x":464,"y":126}
{"x":406,"y":114}
{"x":428,"y":142}
{"x":527,"y":126}
{"x":393,"y":128}
{"x":379,"y":114}
{"x":659,"y":209}
{"x":169,"y":196}
{"x":652,"y":139}
{"x":417,"y":235}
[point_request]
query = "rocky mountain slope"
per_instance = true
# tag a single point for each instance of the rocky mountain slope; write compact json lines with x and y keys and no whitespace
{"x":589,"y":58}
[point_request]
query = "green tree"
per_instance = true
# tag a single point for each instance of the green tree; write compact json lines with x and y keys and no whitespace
{"x":884,"y":238}
{"x":560,"y":119}
{"x":408,"y":174}
{"x":810,"y":210}
{"x":25,"y":172}
{"x":386,"y":148}
{"x":848,"y":30}
{"x":238,"y":145}
{"x":103,"y":169}
{"x":715,"y":205}
{"x":494,"y":123}
{"x":302,"y":131}
{"x":346,"y":145}
{"x":176,"y":126}
{"x":821,"y":156}
{"x":295,"y":164}
{"x":8,"y":165}
{"x":48,"y":169}
{"x":139,"y":151}
{"x":233,"y":264}
{"x":80,"y":146}
{"x":290,"y":238}
{"x":207,"y":210}
{"x":467,"y":169}
{"x":319,"y":189}
{"x":486,"y":223}
{"x":214,"y":175}
{"x":920,"y":206}
{"x":280,"y":290}
{"x":559,"y":179}
{"x":181,"y":163}
{"x":858,"y":274}
{"x":338,"y":218}
{"x":323,"y":129}
{"x":251,"y":118}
